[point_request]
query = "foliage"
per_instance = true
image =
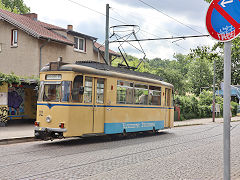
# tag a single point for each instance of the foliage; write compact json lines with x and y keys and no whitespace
{"x":16,"y":6}
{"x":200,"y":74}
{"x":188,"y":106}
{"x":235,"y":58}
{"x":192,"y":106}
{"x":9,"y":78}
{"x":234,"y":107}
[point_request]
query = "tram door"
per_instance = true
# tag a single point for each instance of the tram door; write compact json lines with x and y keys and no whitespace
{"x":168,"y":105}
{"x":98,"y":108}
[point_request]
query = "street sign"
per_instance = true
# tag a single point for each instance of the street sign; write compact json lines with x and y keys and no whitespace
{"x":223,"y":19}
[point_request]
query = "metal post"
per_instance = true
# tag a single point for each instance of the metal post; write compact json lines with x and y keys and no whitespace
{"x":226,"y":109}
{"x":106,"y":55}
{"x":214,"y":79}
{"x":40,"y":54}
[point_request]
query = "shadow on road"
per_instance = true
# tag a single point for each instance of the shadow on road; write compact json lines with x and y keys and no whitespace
{"x":130,"y":138}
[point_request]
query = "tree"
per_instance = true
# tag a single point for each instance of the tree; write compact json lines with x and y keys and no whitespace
{"x":16,"y":6}
{"x":235,"y":61}
{"x":200,"y":74}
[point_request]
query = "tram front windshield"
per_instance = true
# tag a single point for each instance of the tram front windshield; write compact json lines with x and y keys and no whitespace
{"x":54,"y":91}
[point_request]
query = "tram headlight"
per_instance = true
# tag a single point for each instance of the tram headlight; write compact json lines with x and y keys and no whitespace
{"x":48,"y":119}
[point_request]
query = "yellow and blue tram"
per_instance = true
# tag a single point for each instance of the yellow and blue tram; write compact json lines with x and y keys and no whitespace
{"x":89,"y":98}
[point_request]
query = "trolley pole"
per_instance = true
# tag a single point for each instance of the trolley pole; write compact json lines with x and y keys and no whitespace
{"x":226,"y":109}
{"x":214,"y":80}
{"x":106,"y":54}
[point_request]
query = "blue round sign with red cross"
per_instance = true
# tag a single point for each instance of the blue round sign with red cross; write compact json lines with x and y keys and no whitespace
{"x":223,"y":19}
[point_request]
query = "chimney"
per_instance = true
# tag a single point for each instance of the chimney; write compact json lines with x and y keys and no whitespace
{"x":32,"y":16}
{"x":70,"y":27}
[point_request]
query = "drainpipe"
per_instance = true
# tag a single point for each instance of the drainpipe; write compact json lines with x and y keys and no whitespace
{"x":40,"y":59}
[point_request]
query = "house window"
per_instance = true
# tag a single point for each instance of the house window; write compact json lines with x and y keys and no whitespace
{"x":79,"y":44}
{"x":14,"y":37}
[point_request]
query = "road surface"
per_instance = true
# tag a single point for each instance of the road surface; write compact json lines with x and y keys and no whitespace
{"x":191,"y":152}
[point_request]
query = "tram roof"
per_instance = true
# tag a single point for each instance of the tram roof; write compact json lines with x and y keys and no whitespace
{"x":93,"y":67}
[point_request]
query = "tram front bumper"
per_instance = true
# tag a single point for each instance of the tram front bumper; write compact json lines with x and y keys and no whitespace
{"x":49,"y":133}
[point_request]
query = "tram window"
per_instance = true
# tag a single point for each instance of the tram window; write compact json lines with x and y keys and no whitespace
{"x":88,"y":90}
{"x":154,"y":95}
{"x":52,"y":92}
{"x":100,"y":91}
{"x":40,"y":91}
{"x":124,"y":92}
{"x":141,"y":94}
{"x":77,"y":91}
{"x":66,"y":86}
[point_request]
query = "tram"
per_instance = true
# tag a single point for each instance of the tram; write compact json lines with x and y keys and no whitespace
{"x":90,"y":98}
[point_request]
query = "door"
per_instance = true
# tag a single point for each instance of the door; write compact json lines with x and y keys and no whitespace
{"x":168,"y":106}
{"x":98,"y":108}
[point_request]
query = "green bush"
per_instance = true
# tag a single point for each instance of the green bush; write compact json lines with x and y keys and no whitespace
{"x":192,"y":106}
{"x":234,"y":107}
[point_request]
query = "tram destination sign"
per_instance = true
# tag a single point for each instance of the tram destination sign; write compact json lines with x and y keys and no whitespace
{"x":223,"y":19}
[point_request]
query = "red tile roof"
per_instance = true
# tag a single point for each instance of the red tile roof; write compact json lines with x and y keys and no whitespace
{"x":34,"y":28}
{"x":102,"y":49}
{"x":43,"y":30}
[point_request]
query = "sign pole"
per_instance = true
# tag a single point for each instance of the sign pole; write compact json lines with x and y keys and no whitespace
{"x":214,"y":81}
{"x":226,"y":109}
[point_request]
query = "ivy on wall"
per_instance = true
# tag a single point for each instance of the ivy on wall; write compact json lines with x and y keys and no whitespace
{"x":14,"y":79}
{"x":9,"y":78}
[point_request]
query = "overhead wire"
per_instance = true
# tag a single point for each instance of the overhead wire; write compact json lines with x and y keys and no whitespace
{"x":115,"y":19}
{"x":94,"y":10}
{"x":166,"y":38}
{"x":169,"y":16}
{"x":112,"y":9}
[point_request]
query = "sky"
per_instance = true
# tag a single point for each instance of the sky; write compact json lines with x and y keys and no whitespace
{"x":165,"y":18}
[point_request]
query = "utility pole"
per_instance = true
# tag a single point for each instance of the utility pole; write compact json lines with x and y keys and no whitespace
{"x":106,"y":54}
{"x":226,"y":109}
{"x":214,"y":79}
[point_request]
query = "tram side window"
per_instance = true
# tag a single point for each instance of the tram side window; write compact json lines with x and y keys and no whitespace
{"x":141,"y":94}
{"x":40,"y":91}
{"x":77,"y":91}
{"x":88,"y":90}
{"x":154,"y":95}
{"x":124,"y":92}
{"x":100,"y":91}
{"x":52,"y":92}
{"x":66,"y":89}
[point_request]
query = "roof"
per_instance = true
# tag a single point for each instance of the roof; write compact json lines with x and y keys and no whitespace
{"x":75,"y":33}
{"x":42,"y":30}
{"x":102,"y":49}
{"x":32,"y":27}
{"x":105,"y":67}
{"x":92,"y":67}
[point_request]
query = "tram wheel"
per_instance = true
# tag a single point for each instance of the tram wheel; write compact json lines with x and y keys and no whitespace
{"x":124,"y":133}
{"x":154,"y":130}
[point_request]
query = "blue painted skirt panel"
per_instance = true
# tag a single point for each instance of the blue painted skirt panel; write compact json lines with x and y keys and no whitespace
{"x":113,"y":128}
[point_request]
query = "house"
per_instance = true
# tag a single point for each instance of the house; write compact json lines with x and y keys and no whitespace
{"x":27,"y":44}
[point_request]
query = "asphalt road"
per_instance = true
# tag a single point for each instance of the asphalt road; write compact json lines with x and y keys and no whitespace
{"x":192,"y":152}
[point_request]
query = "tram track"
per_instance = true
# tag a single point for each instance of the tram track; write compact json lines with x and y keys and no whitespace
{"x":86,"y":151}
{"x":97,"y":141}
{"x":87,"y":142}
{"x":129,"y":154}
